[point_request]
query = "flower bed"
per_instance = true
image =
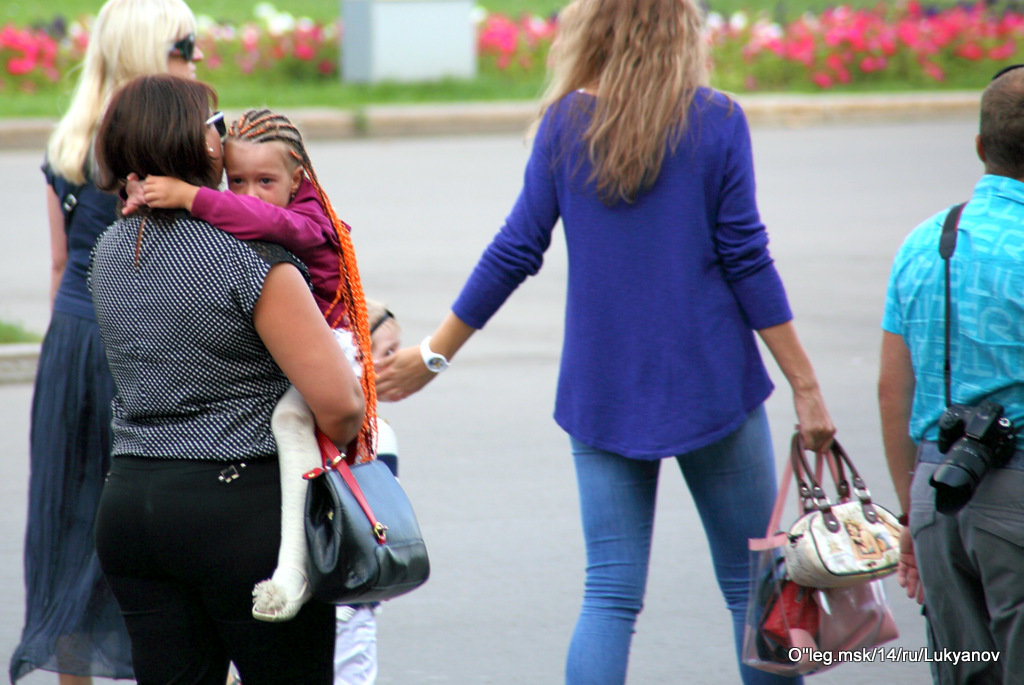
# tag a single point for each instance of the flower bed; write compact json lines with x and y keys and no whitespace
{"x":909,"y":47}
{"x":842,"y":48}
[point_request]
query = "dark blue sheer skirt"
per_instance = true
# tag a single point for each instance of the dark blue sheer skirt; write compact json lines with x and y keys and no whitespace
{"x":72,"y":621}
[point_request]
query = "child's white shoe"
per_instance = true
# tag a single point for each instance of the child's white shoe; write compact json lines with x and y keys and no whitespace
{"x":279,"y":598}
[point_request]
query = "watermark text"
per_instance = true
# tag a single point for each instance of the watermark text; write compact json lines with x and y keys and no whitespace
{"x":892,"y":655}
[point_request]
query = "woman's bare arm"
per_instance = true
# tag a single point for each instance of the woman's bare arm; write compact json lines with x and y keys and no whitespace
{"x":300,"y":341}
{"x":58,"y":241}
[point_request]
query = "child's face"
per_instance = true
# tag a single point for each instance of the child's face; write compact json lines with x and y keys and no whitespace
{"x":386,"y":339}
{"x":263,"y":170}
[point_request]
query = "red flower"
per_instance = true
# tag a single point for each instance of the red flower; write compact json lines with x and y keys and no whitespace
{"x":971,"y":51}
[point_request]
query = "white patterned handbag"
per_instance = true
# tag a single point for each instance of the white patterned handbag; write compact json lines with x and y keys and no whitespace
{"x":842,"y":544}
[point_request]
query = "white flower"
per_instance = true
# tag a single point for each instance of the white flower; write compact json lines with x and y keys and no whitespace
{"x":264,"y":10}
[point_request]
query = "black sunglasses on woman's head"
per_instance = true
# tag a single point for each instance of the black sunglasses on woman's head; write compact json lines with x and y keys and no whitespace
{"x":217,"y":121}
{"x":185,"y":48}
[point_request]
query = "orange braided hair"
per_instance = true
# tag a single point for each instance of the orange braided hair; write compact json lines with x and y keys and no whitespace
{"x":263,"y":126}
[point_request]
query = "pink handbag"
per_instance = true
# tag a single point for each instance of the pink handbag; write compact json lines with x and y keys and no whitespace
{"x":849,"y":618}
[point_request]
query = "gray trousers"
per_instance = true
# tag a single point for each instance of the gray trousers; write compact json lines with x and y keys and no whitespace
{"x":972,"y":568}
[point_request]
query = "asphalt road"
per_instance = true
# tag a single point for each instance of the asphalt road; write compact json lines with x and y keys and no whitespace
{"x":483,"y":462}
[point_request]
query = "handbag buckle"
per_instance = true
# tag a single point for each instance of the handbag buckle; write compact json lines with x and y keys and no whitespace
{"x":380,"y":531}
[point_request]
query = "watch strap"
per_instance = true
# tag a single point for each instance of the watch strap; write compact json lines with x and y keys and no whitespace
{"x":435,"y":362}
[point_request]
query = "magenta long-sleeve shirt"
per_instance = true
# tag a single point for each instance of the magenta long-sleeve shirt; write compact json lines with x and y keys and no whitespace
{"x":302,"y":227}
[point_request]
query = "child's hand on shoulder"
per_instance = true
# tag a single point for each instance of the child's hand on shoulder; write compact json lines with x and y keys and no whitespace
{"x":165,"y":192}
{"x":132,"y":195}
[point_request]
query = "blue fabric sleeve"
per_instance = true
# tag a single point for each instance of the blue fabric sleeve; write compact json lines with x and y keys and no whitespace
{"x":741,"y":240}
{"x":517,"y":251}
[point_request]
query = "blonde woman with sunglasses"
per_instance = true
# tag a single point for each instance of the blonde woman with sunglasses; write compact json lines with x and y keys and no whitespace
{"x":72,"y":623}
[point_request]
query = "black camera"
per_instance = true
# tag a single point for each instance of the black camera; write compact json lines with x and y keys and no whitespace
{"x":974,"y":439}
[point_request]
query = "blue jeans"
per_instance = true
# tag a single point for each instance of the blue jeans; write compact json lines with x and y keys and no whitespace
{"x":733,"y":485}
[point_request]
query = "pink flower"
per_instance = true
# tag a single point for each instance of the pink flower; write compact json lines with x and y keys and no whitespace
{"x":834,"y":62}
{"x":498,"y":35}
{"x":871,"y":64}
{"x":250,"y":37}
{"x":19,"y":66}
{"x":971,"y":51}
{"x":821,"y":79}
{"x":1004,"y":51}
{"x":536,"y":29}
{"x":933,"y":71}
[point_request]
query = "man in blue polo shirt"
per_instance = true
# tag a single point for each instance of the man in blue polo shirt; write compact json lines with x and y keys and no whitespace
{"x":965,"y":565}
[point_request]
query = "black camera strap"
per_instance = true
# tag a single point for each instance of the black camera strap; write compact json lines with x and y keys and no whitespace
{"x":947,"y":243}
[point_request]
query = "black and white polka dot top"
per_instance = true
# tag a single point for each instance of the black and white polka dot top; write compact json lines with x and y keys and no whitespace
{"x":174,"y":299}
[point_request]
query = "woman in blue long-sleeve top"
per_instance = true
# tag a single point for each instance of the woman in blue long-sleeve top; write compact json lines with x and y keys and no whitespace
{"x":669,"y":279}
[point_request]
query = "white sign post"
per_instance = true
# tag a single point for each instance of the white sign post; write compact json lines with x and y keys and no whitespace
{"x":407,"y":40}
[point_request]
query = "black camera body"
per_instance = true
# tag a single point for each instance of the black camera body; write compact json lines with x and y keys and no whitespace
{"x":975,"y":439}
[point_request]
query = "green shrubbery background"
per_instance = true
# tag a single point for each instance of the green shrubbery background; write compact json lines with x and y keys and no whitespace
{"x":295,"y":82}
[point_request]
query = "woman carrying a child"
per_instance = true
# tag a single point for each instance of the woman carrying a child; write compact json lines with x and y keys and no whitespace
{"x":273,"y":195}
{"x":204,"y":332}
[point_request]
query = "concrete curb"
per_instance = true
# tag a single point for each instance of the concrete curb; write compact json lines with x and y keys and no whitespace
{"x":380,"y":121}
{"x":18,"y":363}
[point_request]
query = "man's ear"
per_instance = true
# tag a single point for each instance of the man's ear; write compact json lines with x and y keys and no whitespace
{"x":979,"y":147}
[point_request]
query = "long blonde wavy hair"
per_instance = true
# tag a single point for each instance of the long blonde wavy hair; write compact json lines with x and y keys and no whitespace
{"x":644,"y":60}
{"x":129,"y":38}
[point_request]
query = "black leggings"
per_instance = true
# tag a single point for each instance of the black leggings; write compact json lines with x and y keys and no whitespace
{"x":182,"y":550}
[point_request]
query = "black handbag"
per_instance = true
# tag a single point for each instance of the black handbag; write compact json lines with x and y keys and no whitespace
{"x":354,"y":556}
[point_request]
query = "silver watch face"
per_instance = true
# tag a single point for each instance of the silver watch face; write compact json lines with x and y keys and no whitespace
{"x":435,"y":364}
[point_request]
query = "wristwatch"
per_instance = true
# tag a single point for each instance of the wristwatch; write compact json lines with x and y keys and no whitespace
{"x":435,"y":362}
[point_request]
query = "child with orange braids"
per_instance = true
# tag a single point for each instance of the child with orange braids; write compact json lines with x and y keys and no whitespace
{"x":275,"y":196}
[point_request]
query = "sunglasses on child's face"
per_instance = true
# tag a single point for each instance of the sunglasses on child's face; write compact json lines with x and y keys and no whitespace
{"x":217,"y":121}
{"x":185,"y":48}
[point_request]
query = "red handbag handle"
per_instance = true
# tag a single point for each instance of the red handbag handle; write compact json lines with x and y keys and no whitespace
{"x":332,"y":458}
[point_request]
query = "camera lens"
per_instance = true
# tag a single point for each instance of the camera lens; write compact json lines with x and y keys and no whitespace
{"x":954,"y":481}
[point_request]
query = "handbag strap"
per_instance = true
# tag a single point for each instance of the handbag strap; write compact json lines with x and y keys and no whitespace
{"x":810,"y":493}
{"x":812,"y":496}
{"x":332,"y":458}
{"x":788,"y":472}
{"x":773,"y":537}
